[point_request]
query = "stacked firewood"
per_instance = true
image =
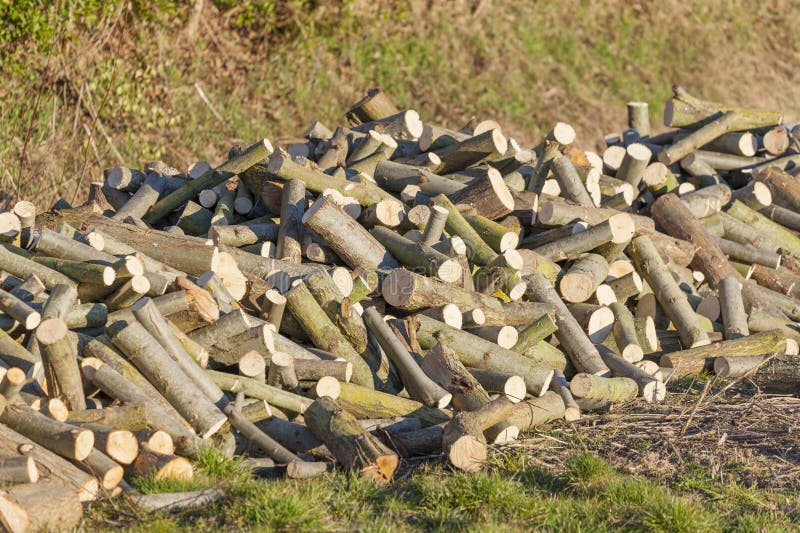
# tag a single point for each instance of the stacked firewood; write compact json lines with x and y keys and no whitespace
{"x":386,"y":290}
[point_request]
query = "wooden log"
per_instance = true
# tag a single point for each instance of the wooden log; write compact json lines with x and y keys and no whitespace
{"x":290,"y":234}
{"x":19,"y":310}
{"x":767,"y":228}
{"x":572,"y":411}
{"x":254,"y":389}
{"x":479,"y":251}
{"x":625,"y":335}
{"x":45,"y":506}
{"x":634,"y":163}
{"x":419,"y":386}
{"x":130,"y":416}
{"x":651,"y":267}
{"x":18,"y":469}
{"x":323,"y":333}
{"x":11,"y":384}
{"x":168,"y":377}
{"x":617,"y":389}
{"x":148,"y":315}
{"x":577,"y":345}
{"x":345,"y":236}
{"x":570,"y":182}
{"x":583,"y":278}
{"x":776,"y":374}
{"x":686,"y":111}
{"x":745,"y":253}
{"x":489,"y":196}
{"x":695,"y":360}
{"x":21,"y":267}
{"x":61,"y":355}
{"x":368,"y":403}
{"x":536,"y":332}
{"x":617,"y":229}
{"x":66,"y":440}
{"x":725,"y":123}
{"x":418,"y":256}
{"x":462,"y":439}
{"x":161,"y":466}
{"x":470,"y":151}
{"x":355,"y":448}
{"x":496,"y":235}
{"x":784,"y":189}
{"x":178,"y":501}
{"x":241,"y":235}
{"x":535,"y":367}
{"x":649,"y":387}
{"x":409,"y":291}
{"x":707,"y":201}
{"x":442,"y":366}
{"x":785,"y":217}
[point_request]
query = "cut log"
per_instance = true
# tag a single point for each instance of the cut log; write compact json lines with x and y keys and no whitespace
{"x":650,"y":265}
{"x":577,"y":345}
{"x":572,"y":411}
{"x":323,"y":333}
{"x":355,"y":448}
{"x":419,"y":386}
{"x":695,"y":360}
{"x":462,"y":439}
{"x":168,"y":377}
{"x":45,"y":506}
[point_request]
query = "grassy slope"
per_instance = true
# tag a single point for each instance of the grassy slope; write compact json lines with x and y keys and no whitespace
{"x":525,"y":63}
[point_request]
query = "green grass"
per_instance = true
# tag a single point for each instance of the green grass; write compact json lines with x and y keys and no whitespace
{"x":510,"y":495}
{"x":270,"y":68}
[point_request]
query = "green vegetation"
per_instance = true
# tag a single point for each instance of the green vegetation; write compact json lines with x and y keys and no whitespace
{"x":90,"y":84}
{"x":511,"y":495}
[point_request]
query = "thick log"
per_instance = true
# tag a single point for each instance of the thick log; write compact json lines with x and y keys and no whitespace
{"x":581,"y":280}
{"x":599,"y":388}
{"x":161,"y":466}
{"x":419,"y":386}
{"x":462,"y":154}
{"x":560,"y":386}
{"x":686,"y":111}
{"x":624,"y":331}
{"x":650,"y":388}
{"x":409,"y":291}
{"x":168,"y":377}
{"x":178,"y":501}
{"x":651,"y":267}
{"x":535,"y":367}
{"x":355,"y":448}
{"x":463,"y":441}
{"x":45,"y":506}
{"x":489,"y":196}
{"x":346,"y":237}
{"x":418,"y":256}
{"x":61,"y":356}
{"x":574,"y":341}
{"x":324,"y":333}
{"x":695,"y":360}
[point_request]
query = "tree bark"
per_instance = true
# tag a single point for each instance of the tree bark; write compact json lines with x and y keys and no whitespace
{"x":651,"y":267}
{"x":695,"y":360}
{"x":324,"y":334}
{"x":574,"y":341}
{"x":355,"y":448}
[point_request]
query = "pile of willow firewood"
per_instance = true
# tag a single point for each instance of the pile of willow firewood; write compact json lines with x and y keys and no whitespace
{"x":384,"y":290}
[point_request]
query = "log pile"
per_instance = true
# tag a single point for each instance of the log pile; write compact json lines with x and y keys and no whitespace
{"x":387,"y":289}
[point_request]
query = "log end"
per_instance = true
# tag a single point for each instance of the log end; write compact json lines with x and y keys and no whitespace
{"x":467,"y":453}
{"x":654,"y":392}
{"x":122,"y":446}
